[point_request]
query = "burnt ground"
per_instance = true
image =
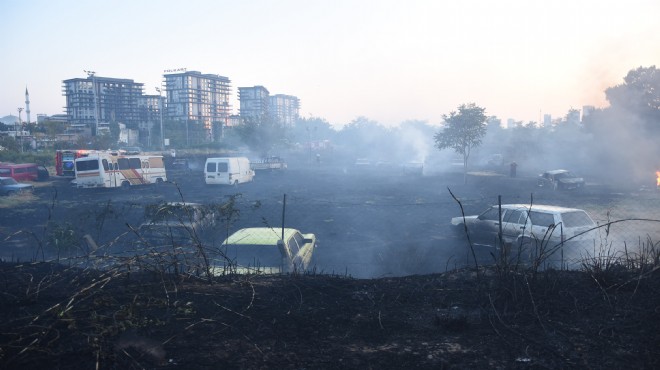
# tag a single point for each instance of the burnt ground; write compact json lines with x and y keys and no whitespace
{"x":390,"y":286}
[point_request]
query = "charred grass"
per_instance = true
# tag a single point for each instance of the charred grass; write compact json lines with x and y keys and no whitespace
{"x":57,"y":316}
{"x":157,"y":308}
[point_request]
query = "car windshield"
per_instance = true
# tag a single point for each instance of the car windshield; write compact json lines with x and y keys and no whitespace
{"x":564,"y":175}
{"x":9,"y":181}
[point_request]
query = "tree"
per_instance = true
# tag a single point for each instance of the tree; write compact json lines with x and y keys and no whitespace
{"x":463,"y":131}
{"x":639,"y":95}
{"x":260,"y":134}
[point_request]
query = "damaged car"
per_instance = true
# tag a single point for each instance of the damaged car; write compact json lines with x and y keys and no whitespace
{"x":560,"y":180}
{"x":544,"y":234}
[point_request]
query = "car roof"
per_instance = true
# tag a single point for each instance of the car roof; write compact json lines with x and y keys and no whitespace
{"x":259,"y":236}
{"x":540,"y":207}
{"x":554,"y":172}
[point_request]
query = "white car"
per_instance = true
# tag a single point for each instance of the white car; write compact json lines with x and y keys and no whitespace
{"x":265,"y":250}
{"x":557,"y":236}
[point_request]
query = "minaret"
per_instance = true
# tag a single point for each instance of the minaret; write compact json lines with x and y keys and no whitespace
{"x":27,"y":104}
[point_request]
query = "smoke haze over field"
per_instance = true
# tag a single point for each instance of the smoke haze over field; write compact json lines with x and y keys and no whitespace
{"x":386,"y":60}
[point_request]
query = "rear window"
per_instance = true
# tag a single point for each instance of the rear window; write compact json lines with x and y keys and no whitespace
{"x":576,"y":219}
{"x":5,"y":172}
{"x":541,"y":218}
{"x":88,"y":165}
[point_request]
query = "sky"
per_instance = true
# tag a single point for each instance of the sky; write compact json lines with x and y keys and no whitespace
{"x":389,"y":61}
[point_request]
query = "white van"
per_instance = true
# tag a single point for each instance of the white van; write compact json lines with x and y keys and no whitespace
{"x":228,"y":170}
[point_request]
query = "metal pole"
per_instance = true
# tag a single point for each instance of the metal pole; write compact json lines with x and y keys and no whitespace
{"x":283,"y":210}
{"x":20,"y":127}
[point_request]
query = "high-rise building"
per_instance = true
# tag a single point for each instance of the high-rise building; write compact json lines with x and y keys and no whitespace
{"x":98,"y":101}
{"x":284,"y":109}
{"x":198,"y":98}
{"x":254,"y":102}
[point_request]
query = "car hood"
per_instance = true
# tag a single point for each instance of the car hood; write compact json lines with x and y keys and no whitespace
{"x":459,"y":220}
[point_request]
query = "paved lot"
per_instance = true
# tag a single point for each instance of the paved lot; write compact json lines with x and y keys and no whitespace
{"x":369,"y":223}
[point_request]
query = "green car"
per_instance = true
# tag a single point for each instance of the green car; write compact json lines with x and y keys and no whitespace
{"x":264,"y":250}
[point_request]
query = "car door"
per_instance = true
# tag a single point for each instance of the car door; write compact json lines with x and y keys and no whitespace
{"x":487,"y":226}
{"x":543,"y":226}
{"x":513,"y":224}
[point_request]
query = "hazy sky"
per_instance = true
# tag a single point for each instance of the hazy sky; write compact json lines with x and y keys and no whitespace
{"x":389,"y":61}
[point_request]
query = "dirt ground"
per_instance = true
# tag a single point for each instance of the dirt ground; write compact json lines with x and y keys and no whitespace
{"x":390,"y":286}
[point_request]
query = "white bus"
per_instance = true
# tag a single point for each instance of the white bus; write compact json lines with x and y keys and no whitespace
{"x":104,"y":170}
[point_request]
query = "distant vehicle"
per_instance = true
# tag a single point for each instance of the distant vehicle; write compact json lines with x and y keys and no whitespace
{"x":228,"y":171}
{"x":65,"y":160}
{"x":130,"y":150}
{"x":556,"y":234}
{"x":268,"y":163}
{"x":413,"y":168}
{"x":495,"y":160}
{"x":9,"y":186}
{"x":180,"y":165}
{"x":262,"y":250}
{"x":104,"y":170}
{"x":20,"y":171}
{"x":175,"y":222}
{"x":362,"y":162}
{"x":559,"y":180}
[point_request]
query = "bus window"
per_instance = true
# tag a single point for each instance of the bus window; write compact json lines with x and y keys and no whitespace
{"x":135,"y":163}
{"x":105,"y":164}
{"x":123,"y":163}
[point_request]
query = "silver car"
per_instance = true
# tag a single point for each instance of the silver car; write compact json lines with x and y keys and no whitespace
{"x":557,"y":236}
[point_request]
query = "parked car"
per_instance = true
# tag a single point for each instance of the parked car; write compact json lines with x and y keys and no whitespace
{"x":268,"y":163}
{"x":495,"y":160}
{"x":173,"y":238}
{"x":180,"y":165}
{"x":263,"y":250}
{"x":557,"y":236}
{"x":9,"y":186}
{"x":560,"y":179}
{"x":130,"y":150}
{"x":175,"y":223}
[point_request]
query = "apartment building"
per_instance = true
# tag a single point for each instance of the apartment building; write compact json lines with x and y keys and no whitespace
{"x":285,"y":109}
{"x":254,"y":102}
{"x":196,"y":98}
{"x":95,"y":101}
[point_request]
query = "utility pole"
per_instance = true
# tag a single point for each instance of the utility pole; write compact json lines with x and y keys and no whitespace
{"x":92,"y":74}
{"x":160,"y":108}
